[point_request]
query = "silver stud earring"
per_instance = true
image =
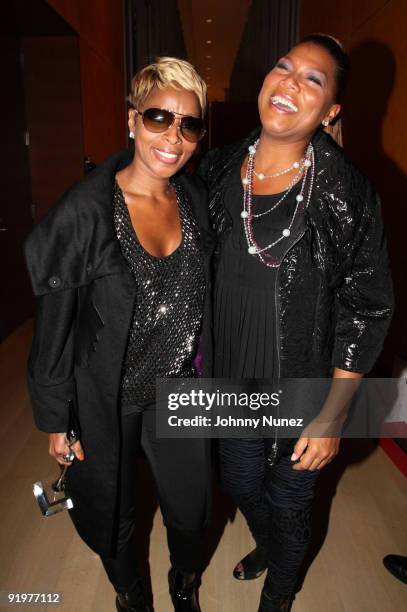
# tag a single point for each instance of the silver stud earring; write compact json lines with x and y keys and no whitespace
{"x":131,"y":134}
{"x":325,"y":122}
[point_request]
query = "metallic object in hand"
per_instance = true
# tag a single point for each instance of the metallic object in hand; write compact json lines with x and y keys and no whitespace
{"x":69,"y":456}
{"x":47,"y":507}
{"x":59,"y":503}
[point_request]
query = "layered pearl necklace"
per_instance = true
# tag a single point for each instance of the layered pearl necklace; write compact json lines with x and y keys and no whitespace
{"x":263,"y":177}
{"x":307,"y":167}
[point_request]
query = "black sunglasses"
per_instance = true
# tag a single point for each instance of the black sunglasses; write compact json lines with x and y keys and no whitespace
{"x":158,"y":120}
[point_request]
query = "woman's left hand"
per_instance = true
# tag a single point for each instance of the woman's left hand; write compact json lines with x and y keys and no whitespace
{"x":314,"y":453}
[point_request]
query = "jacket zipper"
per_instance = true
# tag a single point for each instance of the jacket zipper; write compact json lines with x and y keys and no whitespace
{"x":274,"y":449}
{"x":277,"y":300}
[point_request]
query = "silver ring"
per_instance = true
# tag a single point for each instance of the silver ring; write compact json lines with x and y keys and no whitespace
{"x":68,"y":456}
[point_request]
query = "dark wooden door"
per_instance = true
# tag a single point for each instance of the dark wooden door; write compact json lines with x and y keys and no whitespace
{"x":15,"y":190}
{"x":52,"y":91}
{"x":41,"y":151}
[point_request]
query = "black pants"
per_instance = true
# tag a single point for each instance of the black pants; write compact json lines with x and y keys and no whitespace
{"x":182,"y":474}
{"x":276,"y":505}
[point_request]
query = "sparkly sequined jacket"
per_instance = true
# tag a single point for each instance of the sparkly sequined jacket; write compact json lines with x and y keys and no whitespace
{"x":86,"y":295}
{"x":333,"y":291}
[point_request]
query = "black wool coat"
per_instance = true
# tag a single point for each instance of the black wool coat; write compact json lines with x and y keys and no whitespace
{"x":85,"y":300}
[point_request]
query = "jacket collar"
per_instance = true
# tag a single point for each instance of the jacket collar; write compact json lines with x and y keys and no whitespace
{"x":99,"y":182}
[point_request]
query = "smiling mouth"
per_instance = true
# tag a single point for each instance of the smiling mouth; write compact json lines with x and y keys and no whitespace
{"x":283,"y":104}
{"x":166,"y":156}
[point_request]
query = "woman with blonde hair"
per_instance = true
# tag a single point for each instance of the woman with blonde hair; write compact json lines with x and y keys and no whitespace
{"x":120,"y":266}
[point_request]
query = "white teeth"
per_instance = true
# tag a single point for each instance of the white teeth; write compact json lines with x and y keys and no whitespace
{"x":167,"y":155}
{"x":284,"y":102}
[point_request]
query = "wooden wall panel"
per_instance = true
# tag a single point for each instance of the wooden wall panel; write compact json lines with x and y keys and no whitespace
{"x":337,"y":17}
{"x":99,"y":21}
{"x":328,"y":16}
{"x":383,"y":22}
{"x":54,"y":116}
{"x":375,"y":131}
{"x":103,"y":104}
{"x":99,"y":24}
{"x":70,"y":10}
{"x":388,"y":29}
{"x":15,"y":190}
{"x":364,"y":11}
{"x":102,"y":27}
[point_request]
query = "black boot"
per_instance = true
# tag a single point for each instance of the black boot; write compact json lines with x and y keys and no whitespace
{"x":183,"y":591}
{"x":133,"y":600}
{"x":252,"y":565}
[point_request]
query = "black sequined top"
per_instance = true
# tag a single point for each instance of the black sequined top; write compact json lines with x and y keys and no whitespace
{"x":166,"y":322}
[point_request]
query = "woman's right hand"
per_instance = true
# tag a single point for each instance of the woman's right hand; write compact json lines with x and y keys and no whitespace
{"x":59,"y":446}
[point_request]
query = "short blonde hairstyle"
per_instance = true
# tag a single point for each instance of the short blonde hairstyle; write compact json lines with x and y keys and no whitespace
{"x":167,"y":72}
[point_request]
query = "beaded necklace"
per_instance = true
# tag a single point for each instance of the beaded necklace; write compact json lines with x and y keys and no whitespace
{"x":308,"y":168}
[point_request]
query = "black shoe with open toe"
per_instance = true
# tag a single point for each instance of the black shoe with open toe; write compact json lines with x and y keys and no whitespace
{"x":252,"y":565}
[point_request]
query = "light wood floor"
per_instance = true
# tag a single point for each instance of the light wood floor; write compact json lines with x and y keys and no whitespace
{"x":362,"y":501}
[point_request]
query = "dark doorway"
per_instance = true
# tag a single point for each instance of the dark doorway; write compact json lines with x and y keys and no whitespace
{"x":42,"y":150}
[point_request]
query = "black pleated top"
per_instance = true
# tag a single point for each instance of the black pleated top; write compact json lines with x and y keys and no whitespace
{"x":244,"y":297}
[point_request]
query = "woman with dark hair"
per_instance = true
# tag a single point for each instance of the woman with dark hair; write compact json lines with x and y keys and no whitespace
{"x":121,"y":267}
{"x":302,"y":290}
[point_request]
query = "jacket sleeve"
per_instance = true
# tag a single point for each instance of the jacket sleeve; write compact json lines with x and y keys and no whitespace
{"x":51,"y":382}
{"x":364,"y":300}
{"x":52,"y":257}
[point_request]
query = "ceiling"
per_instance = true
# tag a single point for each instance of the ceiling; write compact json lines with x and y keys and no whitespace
{"x":228,"y":18}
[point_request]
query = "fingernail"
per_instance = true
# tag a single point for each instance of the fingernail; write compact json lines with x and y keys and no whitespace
{"x":294,"y":457}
